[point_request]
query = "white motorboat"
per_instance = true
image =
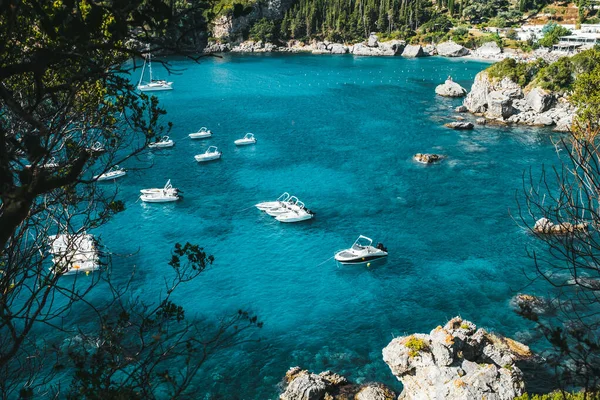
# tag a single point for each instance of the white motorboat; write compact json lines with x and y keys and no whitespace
{"x":361,"y":252}
{"x":114,"y":173}
{"x":73,"y":253}
{"x":168,"y":187}
{"x":164,"y":196}
{"x":246,"y":140}
{"x":212,"y":153}
{"x":49,"y":165}
{"x":162,"y":143}
{"x":155,"y":85}
{"x":284,"y":207}
{"x":97,"y":148}
{"x":201,"y":134}
{"x":296,"y":212}
{"x":273,"y":204}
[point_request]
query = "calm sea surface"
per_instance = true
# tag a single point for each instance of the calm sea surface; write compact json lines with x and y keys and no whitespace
{"x":339,"y":133}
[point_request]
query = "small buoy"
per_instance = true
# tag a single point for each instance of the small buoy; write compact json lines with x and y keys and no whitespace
{"x":368,"y":265}
{"x":87,"y":272}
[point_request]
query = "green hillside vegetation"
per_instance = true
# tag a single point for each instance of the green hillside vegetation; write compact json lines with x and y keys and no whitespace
{"x":558,"y":76}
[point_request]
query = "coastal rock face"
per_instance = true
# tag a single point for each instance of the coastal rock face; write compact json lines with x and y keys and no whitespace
{"x":375,"y":48}
{"x":539,"y":100}
{"x":505,"y":101}
{"x":250,"y":46}
{"x":450,"y":89}
{"x":544,"y":225}
{"x":337,"y":48}
{"x":457,"y":361}
{"x":304,"y":385}
{"x":413,"y":51}
{"x":451,"y":49}
{"x":373,"y":40}
{"x":217,"y":48}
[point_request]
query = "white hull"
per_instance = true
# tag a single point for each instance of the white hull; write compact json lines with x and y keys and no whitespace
{"x":268,"y":205}
{"x":110,"y":176}
{"x":244,"y":142}
{"x":161,"y":145}
{"x":158,"y":199}
{"x":155,"y":191}
{"x":149,"y":88}
{"x":204,"y":158}
{"x":294,"y":217}
{"x":200,"y":135}
{"x":361,"y":252}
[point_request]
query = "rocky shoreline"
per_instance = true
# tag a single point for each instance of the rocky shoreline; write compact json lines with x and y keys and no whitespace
{"x":504,"y":101}
{"x":456,"y":361}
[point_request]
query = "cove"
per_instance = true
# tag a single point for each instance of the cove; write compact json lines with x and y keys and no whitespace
{"x":339,"y":132}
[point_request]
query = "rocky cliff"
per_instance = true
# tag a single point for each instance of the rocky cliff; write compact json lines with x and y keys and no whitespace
{"x":457,"y":361}
{"x":505,"y":101}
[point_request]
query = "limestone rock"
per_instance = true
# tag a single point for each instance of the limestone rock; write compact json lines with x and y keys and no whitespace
{"x":488,"y":49}
{"x":304,"y":385}
{"x":373,"y":40}
{"x":539,"y":100}
{"x":544,"y":225}
{"x":360,"y":49}
{"x":499,"y":105}
{"x":481,"y":121}
{"x":477,"y":99}
{"x":337,"y":48}
{"x":413,"y":51}
{"x":430,"y":50}
{"x":450,"y":89}
{"x":459,"y":125}
{"x":451,"y":49}
{"x":457,"y":361}
{"x":426,"y":158}
{"x":460,"y":109}
{"x":564,"y":124}
{"x":392,"y":47}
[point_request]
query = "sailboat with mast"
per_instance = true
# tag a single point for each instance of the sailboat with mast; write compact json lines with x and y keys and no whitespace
{"x":154,"y":85}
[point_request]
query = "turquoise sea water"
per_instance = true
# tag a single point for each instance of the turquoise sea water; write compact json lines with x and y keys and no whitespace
{"x":339,"y":133}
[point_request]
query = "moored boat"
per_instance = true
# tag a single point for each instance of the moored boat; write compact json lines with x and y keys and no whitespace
{"x":212,"y":153}
{"x":114,"y":173}
{"x":201,"y":134}
{"x":246,"y":140}
{"x":273,"y":204}
{"x":162,"y":143}
{"x":361,"y":252}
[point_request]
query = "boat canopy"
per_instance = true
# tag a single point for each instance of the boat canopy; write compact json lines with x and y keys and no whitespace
{"x":361,"y":242}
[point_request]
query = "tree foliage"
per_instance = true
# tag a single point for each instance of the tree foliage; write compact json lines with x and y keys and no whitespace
{"x":552,"y":33}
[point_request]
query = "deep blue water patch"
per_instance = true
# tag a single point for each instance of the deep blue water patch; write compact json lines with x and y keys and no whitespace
{"x":339,"y":133}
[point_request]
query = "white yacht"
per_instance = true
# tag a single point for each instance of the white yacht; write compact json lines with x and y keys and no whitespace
{"x":361,"y":252}
{"x":162,"y":143}
{"x":73,"y":253}
{"x":201,"y":134}
{"x":154,"y":85}
{"x":273,"y":204}
{"x":246,"y":140}
{"x":114,"y":173}
{"x":164,"y":196}
{"x":212,"y":153}
{"x":296,"y":213}
{"x":97,"y":148}
{"x":167,"y":188}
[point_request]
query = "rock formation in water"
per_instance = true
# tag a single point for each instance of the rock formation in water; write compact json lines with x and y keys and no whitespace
{"x":427,"y":158}
{"x":450,"y":89}
{"x":457,"y":361}
{"x":460,"y":125}
{"x":304,"y":385}
{"x":544,"y":225}
{"x":412,"y":51}
{"x":505,"y":101}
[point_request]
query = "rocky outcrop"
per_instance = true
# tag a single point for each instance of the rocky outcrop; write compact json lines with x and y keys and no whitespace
{"x":427,"y":158}
{"x":451,"y":49}
{"x":505,"y":101}
{"x":450,"y":89}
{"x":488,"y":50}
{"x":375,"y":48}
{"x":250,"y":46}
{"x":459,"y":125}
{"x":457,"y":361}
{"x":544,"y":225}
{"x":304,"y":385}
{"x":413,"y":51}
{"x":337,"y":48}
{"x":217,"y":48}
{"x":460,"y":109}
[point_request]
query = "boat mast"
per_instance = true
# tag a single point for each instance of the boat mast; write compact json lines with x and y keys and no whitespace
{"x":142,"y":75}
{"x":150,"y":65}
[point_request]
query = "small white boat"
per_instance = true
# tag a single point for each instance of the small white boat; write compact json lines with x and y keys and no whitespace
{"x":48,"y":165}
{"x":73,"y":253}
{"x":246,"y":140}
{"x":201,"y":134}
{"x":168,"y":187}
{"x":295,"y":216}
{"x":97,"y":148}
{"x":361,"y":252}
{"x":284,"y":207}
{"x":273,"y":204}
{"x":163,"y":143}
{"x":114,"y":173}
{"x":164,"y":196}
{"x":212,"y":153}
{"x":154,"y":85}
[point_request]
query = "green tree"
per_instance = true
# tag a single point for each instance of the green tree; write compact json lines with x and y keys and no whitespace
{"x":552,"y":34}
{"x":263,"y":30}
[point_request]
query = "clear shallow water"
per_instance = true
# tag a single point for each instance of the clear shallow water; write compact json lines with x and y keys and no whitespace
{"x":338,"y":132}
